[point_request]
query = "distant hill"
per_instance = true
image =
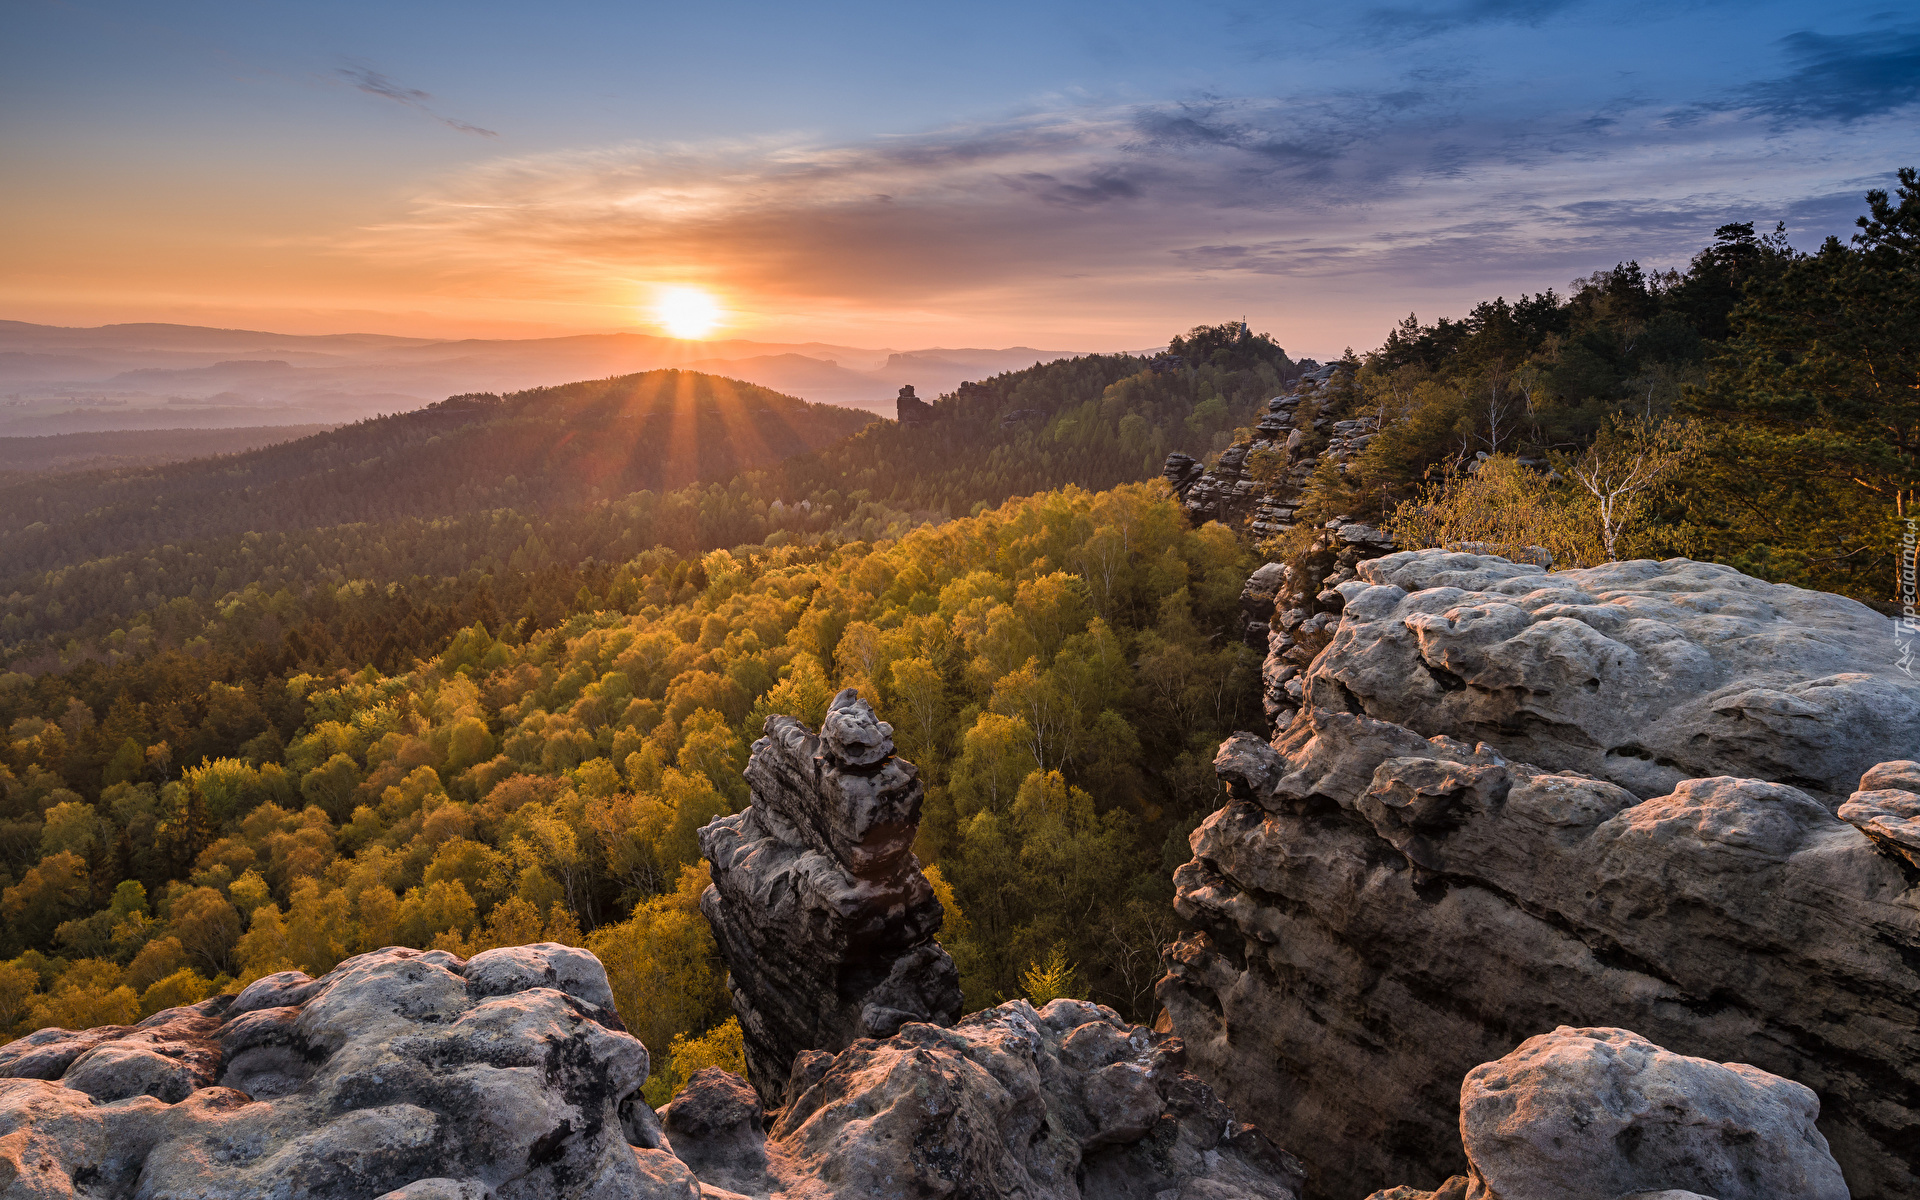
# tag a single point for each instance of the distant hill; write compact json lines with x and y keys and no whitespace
{"x":531,"y":451}
{"x":67,"y":452}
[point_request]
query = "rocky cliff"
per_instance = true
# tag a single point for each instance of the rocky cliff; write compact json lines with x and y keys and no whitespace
{"x":1513,"y":800}
{"x":818,"y":904}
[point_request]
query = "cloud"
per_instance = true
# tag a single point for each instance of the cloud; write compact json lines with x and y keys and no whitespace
{"x":1250,"y":202}
{"x":1841,"y":78}
{"x":375,"y":84}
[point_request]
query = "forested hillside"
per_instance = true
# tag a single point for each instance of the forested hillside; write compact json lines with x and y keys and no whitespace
{"x":559,"y":483}
{"x":1060,"y":668}
{"x":1761,"y":408}
{"x":535,"y":450}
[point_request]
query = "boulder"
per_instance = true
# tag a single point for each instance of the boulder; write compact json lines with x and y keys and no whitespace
{"x":1597,"y":1114}
{"x":818,"y":905}
{"x":1068,"y":1102}
{"x":1439,"y":858}
{"x":395,"y":1075}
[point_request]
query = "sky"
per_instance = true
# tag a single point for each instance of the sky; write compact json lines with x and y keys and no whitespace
{"x":1088,"y":176}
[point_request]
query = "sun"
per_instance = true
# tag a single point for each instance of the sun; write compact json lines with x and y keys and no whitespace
{"x":686,"y":312}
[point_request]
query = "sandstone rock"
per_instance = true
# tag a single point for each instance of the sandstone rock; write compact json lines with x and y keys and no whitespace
{"x":719,"y":1130}
{"x":1890,"y":817}
{"x":1065,"y":1103}
{"x":1594,"y":1114}
{"x":818,"y":905}
{"x":396,"y":1076}
{"x":1641,"y":673}
{"x":543,"y":965}
{"x":1387,"y":907}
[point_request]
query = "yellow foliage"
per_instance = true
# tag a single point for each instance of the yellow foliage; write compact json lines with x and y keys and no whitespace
{"x":1507,"y":506}
{"x":723,"y":1046}
{"x":1050,"y":979}
{"x":661,"y":964}
{"x":184,"y":986}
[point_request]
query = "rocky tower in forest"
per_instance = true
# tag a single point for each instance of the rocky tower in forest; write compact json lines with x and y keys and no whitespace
{"x":818,"y":904}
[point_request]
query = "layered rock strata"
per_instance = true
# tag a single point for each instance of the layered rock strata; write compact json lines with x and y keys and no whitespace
{"x":818,"y":905}
{"x":398,"y":1074}
{"x":1068,"y":1102}
{"x":1604,"y":1114}
{"x":1517,"y":800}
{"x":1303,"y":604}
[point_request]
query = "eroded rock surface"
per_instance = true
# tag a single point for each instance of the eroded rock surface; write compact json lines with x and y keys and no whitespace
{"x":1065,"y":1103}
{"x":1595,"y":1114}
{"x":818,"y":905}
{"x":1644,"y":673}
{"x":400,"y":1074}
{"x":1416,"y":875}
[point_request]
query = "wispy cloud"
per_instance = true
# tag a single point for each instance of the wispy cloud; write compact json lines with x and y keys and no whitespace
{"x":375,"y":84}
{"x":1842,"y":78}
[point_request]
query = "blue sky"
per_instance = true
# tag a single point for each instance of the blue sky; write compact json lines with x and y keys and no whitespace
{"x":1075,"y":175}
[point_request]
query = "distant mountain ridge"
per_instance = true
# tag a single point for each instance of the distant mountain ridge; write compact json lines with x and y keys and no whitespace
{"x":55,"y":379}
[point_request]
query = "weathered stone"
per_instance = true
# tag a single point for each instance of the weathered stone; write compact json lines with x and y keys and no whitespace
{"x":1595,"y":1114}
{"x":719,"y":1130}
{"x":1389,"y":906}
{"x":1890,"y":817}
{"x":1641,"y":673}
{"x":542,"y":965}
{"x":818,"y":905}
{"x":389,"y":1079}
{"x":1065,"y":1103}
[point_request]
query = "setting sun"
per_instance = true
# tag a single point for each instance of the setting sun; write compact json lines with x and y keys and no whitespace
{"x":686,"y":312}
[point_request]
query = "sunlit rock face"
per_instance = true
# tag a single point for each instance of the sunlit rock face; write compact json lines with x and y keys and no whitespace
{"x":818,"y":905}
{"x":399,"y":1073}
{"x":1068,"y":1102}
{"x":1657,"y":797}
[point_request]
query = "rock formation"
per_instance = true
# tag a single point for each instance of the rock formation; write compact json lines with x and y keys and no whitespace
{"x":1643,"y":673}
{"x":398,"y":1074}
{"x":1602,"y":1114}
{"x":911,"y":409}
{"x":818,"y":905}
{"x":1515,"y":800}
{"x":1303,"y":607}
{"x":1285,"y":441}
{"x":1065,"y":1103}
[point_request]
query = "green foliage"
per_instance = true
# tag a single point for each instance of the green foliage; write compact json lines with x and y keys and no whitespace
{"x":1815,"y":403}
{"x":1053,"y":665}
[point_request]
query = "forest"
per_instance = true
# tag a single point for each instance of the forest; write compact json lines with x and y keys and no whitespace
{"x":435,"y":701}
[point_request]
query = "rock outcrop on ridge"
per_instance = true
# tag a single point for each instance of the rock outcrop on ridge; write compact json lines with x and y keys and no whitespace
{"x":399,"y":1074}
{"x":1517,"y":800}
{"x":818,"y":905}
{"x":1601,"y":1114}
{"x":1286,"y":439}
{"x":1068,"y":1102}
